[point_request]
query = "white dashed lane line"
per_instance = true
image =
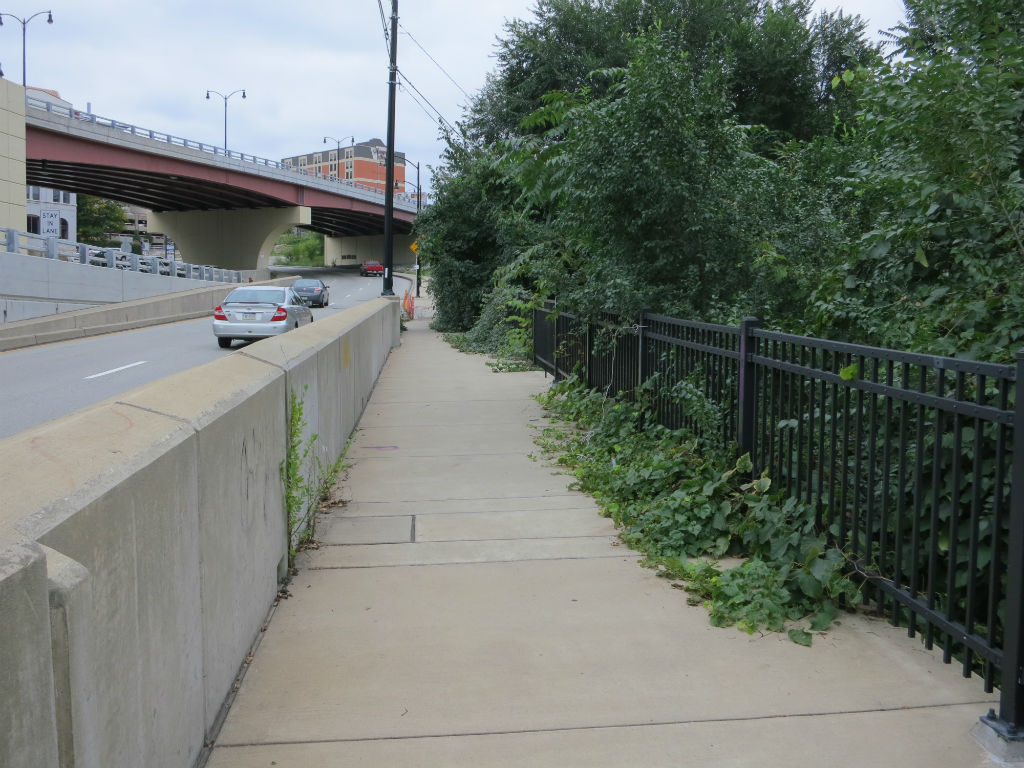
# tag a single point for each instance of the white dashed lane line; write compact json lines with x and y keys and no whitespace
{"x":115,"y":370}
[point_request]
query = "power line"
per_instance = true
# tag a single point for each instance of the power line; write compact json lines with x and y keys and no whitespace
{"x":384,"y":26}
{"x":435,"y":61}
{"x":444,"y":120}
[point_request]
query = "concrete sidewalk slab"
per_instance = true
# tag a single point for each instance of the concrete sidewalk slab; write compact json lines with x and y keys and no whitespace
{"x":442,"y":439}
{"x":566,"y":500}
{"x":512,"y":628}
{"x":465,"y":476}
{"x":518,"y":524}
{"x":461,"y":552}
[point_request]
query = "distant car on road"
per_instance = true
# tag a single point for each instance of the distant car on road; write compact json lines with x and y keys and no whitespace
{"x":371,"y":268}
{"x":315,"y":292}
{"x":258,"y":312}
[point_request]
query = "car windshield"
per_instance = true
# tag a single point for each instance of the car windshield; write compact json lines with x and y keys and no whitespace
{"x":306,"y":284}
{"x":255,"y":296}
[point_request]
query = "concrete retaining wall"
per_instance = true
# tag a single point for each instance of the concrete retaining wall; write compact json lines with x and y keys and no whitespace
{"x":164,"y":307}
{"x":142,"y":541}
{"x":33,"y":286}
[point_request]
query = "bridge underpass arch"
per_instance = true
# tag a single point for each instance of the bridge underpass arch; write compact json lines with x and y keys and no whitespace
{"x":230,"y":239}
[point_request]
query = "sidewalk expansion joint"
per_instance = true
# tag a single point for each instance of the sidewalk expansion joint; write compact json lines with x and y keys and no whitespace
{"x":463,"y":541}
{"x":611,"y":726}
{"x":468,"y":562}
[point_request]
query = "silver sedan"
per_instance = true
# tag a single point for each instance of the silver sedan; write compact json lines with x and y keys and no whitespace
{"x":258,"y":312}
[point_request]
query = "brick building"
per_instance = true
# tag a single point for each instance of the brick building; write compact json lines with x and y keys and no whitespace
{"x":362,"y":163}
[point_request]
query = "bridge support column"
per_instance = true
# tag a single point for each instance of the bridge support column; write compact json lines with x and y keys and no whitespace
{"x":12,"y":156}
{"x":235,"y":239}
{"x":341,"y":251}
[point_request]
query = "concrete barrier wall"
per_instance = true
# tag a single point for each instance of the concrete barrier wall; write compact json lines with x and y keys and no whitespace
{"x":33,"y":286}
{"x":142,"y":541}
{"x":163,"y":307}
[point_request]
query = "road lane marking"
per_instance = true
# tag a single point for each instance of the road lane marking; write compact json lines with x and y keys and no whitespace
{"x":115,"y":370}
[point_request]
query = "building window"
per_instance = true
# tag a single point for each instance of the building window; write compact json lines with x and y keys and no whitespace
{"x":35,"y":193}
{"x":67,"y":197}
{"x":56,"y":195}
{"x":32,"y":226}
{"x":348,"y":153}
{"x":64,"y":229}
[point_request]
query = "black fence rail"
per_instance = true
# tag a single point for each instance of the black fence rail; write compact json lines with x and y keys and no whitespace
{"x":913,"y":464}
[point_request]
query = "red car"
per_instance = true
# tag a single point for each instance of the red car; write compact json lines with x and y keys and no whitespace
{"x":371,"y":268}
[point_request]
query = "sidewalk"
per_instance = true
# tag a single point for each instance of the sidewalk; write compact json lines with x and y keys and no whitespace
{"x":467,"y":609}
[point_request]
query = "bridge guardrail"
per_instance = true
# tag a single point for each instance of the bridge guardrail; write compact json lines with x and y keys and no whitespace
{"x":18,"y":241}
{"x":231,"y":154}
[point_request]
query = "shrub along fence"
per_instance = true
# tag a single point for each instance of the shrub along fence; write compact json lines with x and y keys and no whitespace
{"x":914,"y":463}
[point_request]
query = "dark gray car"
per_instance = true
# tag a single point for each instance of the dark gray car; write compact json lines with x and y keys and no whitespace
{"x":315,"y":292}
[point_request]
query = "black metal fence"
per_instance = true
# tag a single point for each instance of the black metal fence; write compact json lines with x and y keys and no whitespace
{"x":914,"y":464}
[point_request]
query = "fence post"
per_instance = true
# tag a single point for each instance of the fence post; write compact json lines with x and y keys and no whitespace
{"x":588,"y":354}
{"x":1010,"y":722}
{"x":554,"y":342}
{"x":642,"y":367}
{"x":51,"y":247}
{"x":12,"y":241}
{"x":746,"y":391}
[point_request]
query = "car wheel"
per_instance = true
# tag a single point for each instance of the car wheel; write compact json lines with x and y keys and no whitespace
{"x":224,"y":343}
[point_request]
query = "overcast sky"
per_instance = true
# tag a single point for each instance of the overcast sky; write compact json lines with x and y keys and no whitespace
{"x":310,"y":69}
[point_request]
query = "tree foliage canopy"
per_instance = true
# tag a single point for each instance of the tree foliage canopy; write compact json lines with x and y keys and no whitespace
{"x":720,"y":158}
{"x":98,"y":219}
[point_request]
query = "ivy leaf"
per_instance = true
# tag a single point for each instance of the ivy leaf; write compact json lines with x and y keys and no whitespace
{"x":801,"y":637}
{"x":919,"y":257}
{"x":850,"y":372}
{"x":823,"y":619}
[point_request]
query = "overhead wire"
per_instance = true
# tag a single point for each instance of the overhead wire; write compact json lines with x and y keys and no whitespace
{"x":384,"y":26}
{"x":405,"y":81}
{"x":434,"y":60}
{"x":443,"y":119}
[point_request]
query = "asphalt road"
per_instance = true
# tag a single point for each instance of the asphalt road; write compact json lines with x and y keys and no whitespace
{"x":46,"y":382}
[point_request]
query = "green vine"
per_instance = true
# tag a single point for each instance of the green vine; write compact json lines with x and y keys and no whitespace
{"x":684,"y":511}
{"x":307,"y":481}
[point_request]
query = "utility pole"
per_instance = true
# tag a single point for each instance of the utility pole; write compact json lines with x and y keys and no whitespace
{"x":389,"y":174}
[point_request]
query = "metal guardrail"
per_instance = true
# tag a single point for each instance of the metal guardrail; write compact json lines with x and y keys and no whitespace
{"x":913,"y":464}
{"x":17,"y":241}
{"x":215,"y":151}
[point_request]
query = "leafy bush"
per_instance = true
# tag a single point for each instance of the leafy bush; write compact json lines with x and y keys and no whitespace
{"x":672,"y":504}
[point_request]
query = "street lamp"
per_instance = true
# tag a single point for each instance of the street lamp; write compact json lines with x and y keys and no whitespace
{"x":419,"y":198}
{"x":24,"y":24}
{"x":338,"y":142}
{"x":241,"y":91}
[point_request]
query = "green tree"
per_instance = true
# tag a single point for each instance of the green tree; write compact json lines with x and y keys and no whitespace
{"x":941,"y":150}
{"x":461,"y":235}
{"x":301,"y":249}
{"x":655,"y":198}
{"x":99,"y":221}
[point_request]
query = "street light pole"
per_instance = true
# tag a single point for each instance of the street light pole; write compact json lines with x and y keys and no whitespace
{"x":419,"y":198}
{"x":389,"y":177}
{"x":338,"y":142}
{"x":24,"y":25}
{"x":241,"y":91}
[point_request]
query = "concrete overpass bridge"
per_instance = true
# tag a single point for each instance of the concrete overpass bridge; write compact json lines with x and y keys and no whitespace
{"x":221,"y":208}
